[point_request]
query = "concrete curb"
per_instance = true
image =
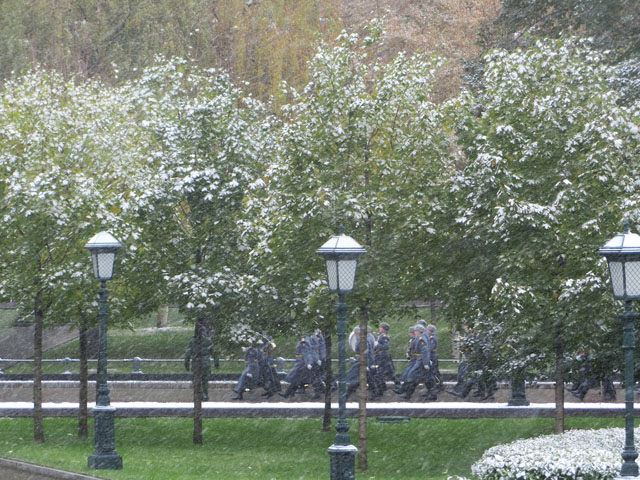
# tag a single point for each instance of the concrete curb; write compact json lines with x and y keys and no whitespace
{"x":14,"y":470}
{"x":316,"y":410}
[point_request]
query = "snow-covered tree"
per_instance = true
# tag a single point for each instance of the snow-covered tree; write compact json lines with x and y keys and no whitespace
{"x":361,"y":146}
{"x":550,"y":173}
{"x":192,"y":249}
{"x":66,"y":166}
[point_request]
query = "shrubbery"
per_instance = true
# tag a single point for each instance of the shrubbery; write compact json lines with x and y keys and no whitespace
{"x":576,"y":454}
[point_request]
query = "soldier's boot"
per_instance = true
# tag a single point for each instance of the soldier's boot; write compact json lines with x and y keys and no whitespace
{"x":205,"y":393}
{"x":490,"y":393}
{"x":466,"y":388}
{"x":431,"y":395}
{"x":351,"y":389}
{"x":237,"y":396}
{"x":409,"y":388}
{"x":439,"y":382}
{"x":289,"y":392}
{"x":378,"y":388}
{"x":318,"y":391}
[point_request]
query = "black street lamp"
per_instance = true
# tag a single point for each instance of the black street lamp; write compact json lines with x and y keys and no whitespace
{"x":103,"y":249}
{"x":341,"y":254}
{"x":623,"y":257}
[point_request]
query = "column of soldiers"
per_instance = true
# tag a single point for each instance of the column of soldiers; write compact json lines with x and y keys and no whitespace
{"x":422,"y":368}
{"x":311,"y":356}
{"x":374,"y":379}
{"x":422,"y":355}
{"x":309,"y":367}
{"x":476,"y":358}
{"x":259,"y":371}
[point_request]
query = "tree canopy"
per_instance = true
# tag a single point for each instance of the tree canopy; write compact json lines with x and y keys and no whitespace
{"x":549,"y":176}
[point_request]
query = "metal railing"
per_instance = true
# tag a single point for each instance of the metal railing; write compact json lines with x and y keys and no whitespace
{"x":137,"y":362}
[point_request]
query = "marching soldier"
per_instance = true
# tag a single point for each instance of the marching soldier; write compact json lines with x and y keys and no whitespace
{"x":301,"y":372}
{"x":419,"y":366}
{"x":250,"y":375}
{"x":403,"y":376}
{"x":432,"y":337}
{"x":383,"y":359}
{"x":353,"y":375}
{"x":319,"y":353}
{"x":206,"y":350}
{"x":268,"y":375}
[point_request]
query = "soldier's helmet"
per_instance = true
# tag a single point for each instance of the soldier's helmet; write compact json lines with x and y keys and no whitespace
{"x":385,"y":326}
{"x":431,"y":328}
{"x":420,"y":328}
{"x":412,"y":329}
{"x":422,"y":322}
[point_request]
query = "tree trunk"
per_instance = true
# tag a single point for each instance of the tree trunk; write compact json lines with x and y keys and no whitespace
{"x":558,"y":344}
{"x":197,"y":382}
{"x":362,"y":407}
{"x":83,"y":410}
{"x":328,"y":381}
{"x":38,"y":430}
{"x":163,"y":314}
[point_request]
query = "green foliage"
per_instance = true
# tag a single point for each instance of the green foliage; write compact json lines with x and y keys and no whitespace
{"x":359,"y":146}
{"x":547,"y":171}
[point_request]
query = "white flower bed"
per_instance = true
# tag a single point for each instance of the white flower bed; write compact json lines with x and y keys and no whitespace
{"x":576,"y":454}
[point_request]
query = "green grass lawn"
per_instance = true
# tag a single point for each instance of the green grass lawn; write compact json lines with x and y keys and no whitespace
{"x":8,"y":318}
{"x":282,"y":449}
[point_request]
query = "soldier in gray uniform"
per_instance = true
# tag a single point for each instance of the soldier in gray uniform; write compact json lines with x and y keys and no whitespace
{"x":435,"y":370}
{"x":383,"y":359}
{"x":420,"y":364}
{"x":403,"y":376}
{"x":319,"y":353}
{"x":353,"y":375}
{"x":300,"y":374}
{"x":267,"y":371}
{"x":250,"y":375}
{"x":206,"y":350}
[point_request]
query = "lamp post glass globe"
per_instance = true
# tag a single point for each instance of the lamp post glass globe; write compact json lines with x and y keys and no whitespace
{"x":103,"y":247}
{"x":623,"y":258}
{"x":341,"y":254}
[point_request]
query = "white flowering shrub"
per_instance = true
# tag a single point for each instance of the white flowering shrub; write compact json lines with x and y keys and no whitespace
{"x":576,"y":454}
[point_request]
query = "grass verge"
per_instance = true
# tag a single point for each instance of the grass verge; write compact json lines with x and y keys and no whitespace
{"x":282,"y":449}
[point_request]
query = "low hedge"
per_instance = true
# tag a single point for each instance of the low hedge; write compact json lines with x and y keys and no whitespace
{"x":573,"y":455}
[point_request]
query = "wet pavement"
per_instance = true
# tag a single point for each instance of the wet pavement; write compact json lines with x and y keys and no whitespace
{"x":175,"y":398}
{"x":222,"y":391}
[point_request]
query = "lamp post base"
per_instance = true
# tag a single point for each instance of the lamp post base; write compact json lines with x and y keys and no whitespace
{"x":104,"y":456}
{"x":518,"y":397}
{"x":111,"y":461}
{"x":343,"y":462}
